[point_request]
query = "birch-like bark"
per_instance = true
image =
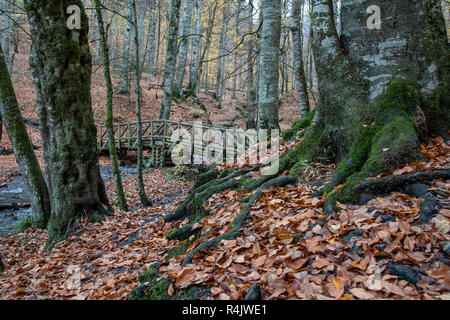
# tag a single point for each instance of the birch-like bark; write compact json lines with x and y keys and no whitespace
{"x":251,"y":94}
{"x":5,"y":26}
{"x":171,"y":59}
{"x":195,"y":50}
{"x":126,"y":66}
{"x":152,"y":46}
{"x":268,"y":102}
{"x":221,"y":61}
{"x":23,"y":148}
{"x":297,"y":48}
{"x":237,"y":35}
{"x":185,"y":30}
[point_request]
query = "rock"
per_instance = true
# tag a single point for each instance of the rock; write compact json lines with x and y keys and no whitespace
{"x":404,"y":272}
{"x":2,"y":266}
{"x":254,"y":293}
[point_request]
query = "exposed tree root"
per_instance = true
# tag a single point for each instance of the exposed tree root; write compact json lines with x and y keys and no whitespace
{"x":204,"y":188}
{"x":240,"y":219}
{"x":385,"y":185}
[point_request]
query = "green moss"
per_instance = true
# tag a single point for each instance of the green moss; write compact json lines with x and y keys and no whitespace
{"x":95,"y":217}
{"x":178,"y":250}
{"x":298,"y":125}
{"x":181,"y":233}
{"x":204,"y":178}
{"x":150,"y":274}
{"x":246,"y":181}
{"x":226,"y":173}
{"x":381,"y":146}
{"x":196,"y":210}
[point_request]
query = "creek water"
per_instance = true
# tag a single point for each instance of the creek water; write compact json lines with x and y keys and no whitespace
{"x":10,"y":216}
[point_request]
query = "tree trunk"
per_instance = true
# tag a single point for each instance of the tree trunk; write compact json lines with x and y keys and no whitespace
{"x":251,"y":90}
{"x":369,"y":113}
{"x":269,"y":65}
{"x":297,"y":48}
{"x":23,"y":148}
{"x":171,"y":59}
{"x":61,"y":63}
{"x":221,"y":61}
{"x":137,"y":79}
{"x":126,"y":66}
{"x":421,"y":54}
{"x":236,"y":55}
{"x":185,"y":30}
{"x":152,"y":47}
{"x":195,"y":50}
{"x":5,"y":26}
{"x":109,"y":111}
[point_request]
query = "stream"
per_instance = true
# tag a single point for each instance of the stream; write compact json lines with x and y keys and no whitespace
{"x":10,"y":216}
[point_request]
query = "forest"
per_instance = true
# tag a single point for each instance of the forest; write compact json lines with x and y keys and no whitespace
{"x":224,"y":150}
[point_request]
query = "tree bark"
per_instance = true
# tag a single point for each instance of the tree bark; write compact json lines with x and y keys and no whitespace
{"x":152,"y":46}
{"x":195,"y":50}
{"x":109,"y":110}
{"x":185,"y":30}
{"x":137,"y":79}
{"x":171,"y":59}
{"x":297,"y":48}
{"x":269,"y":65}
{"x":61,"y":63}
{"x":221,"y":61}
{"x":5,"y":26}
{"x":251,"y":94}
{"x":126,"y":66}
{"x":23,"y":148}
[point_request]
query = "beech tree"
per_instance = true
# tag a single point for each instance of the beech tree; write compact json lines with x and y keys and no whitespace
{"x":171,"y":59}
{"x":109,"y":110}
{"x":185,"y":30}
{"x":138,"y":93}
{"x":300,"y":78}
{"x":269,"y":59}
{"x":61,"y":71}
{"x":23,"y":148}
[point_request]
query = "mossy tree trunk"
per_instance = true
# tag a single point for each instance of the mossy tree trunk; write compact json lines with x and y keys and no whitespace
{"x":61,"y":62}
{"x":138,"y":93}
{"x":23,"y":148}
{"x":122,"y":201}
{"x":365,"y":119}
{"x":185,"y":30}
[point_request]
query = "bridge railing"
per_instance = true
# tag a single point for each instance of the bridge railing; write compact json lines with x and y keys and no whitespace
{"x":161,"y":131}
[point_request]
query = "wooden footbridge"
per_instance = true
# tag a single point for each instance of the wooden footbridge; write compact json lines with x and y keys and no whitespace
{"x":157,"y":137}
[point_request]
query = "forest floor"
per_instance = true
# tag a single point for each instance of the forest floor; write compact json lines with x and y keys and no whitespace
{"x":287,"y":245}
